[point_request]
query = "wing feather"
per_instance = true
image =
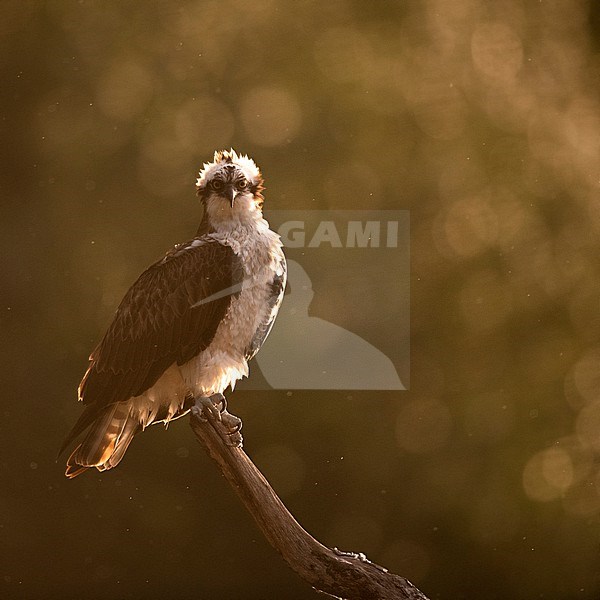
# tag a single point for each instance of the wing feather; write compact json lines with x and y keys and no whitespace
{"x":160,"y":321}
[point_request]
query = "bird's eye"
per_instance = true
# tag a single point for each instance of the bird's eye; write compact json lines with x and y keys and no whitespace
{"x":216,"y":185}
{"x":242,"y":184}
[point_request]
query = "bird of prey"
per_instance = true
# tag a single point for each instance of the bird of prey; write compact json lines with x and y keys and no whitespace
{"x":188,"y":326}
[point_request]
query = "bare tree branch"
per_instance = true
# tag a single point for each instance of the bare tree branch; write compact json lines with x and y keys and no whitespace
{"x":340,"y":574}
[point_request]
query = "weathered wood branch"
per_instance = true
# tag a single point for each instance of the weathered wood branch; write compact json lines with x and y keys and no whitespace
{"x":340,"y":574}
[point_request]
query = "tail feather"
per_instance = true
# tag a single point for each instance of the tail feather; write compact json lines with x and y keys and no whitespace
{"x":106,"y":441}
{"x":73,"y":469}
{"x":132,"y":426}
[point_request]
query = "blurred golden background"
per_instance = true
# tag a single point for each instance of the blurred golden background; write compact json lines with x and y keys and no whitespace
{"x":481,"y":118}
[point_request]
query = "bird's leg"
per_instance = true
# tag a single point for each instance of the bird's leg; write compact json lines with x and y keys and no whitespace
{"x":229,"y":426}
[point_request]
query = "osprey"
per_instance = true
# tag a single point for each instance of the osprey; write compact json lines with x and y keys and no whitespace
{"x":188,"y":326}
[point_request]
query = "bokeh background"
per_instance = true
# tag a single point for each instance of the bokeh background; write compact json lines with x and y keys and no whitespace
{"x":481,"y":118}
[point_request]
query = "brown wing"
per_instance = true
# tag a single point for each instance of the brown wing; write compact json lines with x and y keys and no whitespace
{"x":169,"y":315}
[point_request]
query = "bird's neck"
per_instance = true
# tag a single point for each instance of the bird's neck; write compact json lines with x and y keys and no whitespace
{"x":225,"y":221}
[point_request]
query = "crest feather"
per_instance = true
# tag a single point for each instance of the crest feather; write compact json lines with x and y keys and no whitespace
{"x":223,"y":157}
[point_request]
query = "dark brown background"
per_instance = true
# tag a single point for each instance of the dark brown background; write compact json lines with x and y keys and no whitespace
{"x":481,"y":118}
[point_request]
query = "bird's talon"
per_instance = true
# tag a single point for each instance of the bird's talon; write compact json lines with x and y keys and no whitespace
{"x":204,"y":405}
{"x":233,"y":427}
{"x":198,"y":413}
{"x":232,"y":423}
{"x":219,"y":399}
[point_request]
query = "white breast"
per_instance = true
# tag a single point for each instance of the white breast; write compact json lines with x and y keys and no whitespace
{"x":223,"y":362}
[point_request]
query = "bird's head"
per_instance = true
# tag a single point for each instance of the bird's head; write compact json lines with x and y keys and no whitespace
{"x":230,"y":187}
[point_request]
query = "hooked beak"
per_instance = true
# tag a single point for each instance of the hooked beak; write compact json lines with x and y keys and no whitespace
{"x":230,"y":193}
